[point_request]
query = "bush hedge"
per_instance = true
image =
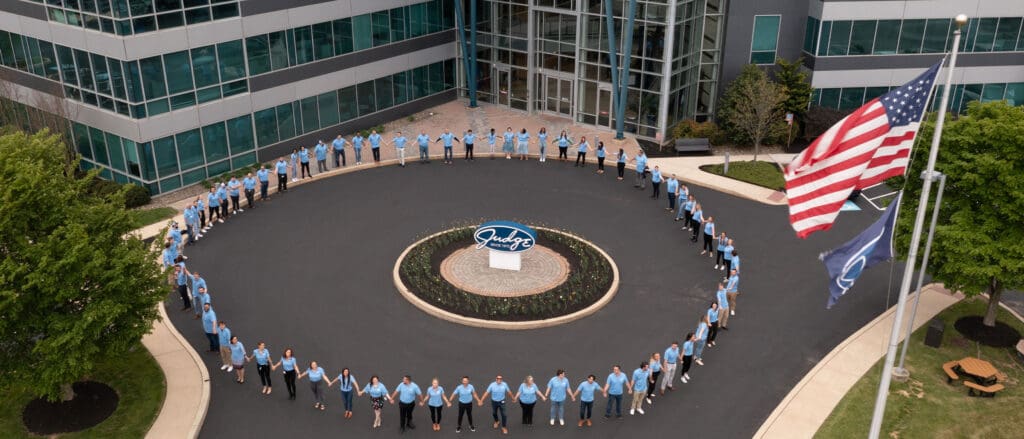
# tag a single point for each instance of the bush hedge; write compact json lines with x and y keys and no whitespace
{"x":590,"y":277}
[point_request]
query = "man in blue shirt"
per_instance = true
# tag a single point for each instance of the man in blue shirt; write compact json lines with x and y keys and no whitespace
{"x":222,"y":194}
{"x":263,"y":175}
{"x":723,"y":307}
{"x":423,"y":140}
{"x":613,"y":388}
{"x":407,"y":392}
{"x":498,"y":390}
{"x":672,"y":191}
{"x":468,"y":137}
{"x":638,"y":386}
{"x":196,"y":282}
{"x":669,"y":360}
{"x":234,"y":189}
{"x":339,"y":151}
{"x":727,"y":255}
{"x":213,"y":202}
{"x":249,"y":184}
{"x":181,"y":280}
{"x":375,"y":139}
{"x":732,"y":289}
{"x":641,"y":170}
{"x":357,"y":147}
{"x":321,"y":156}
{"x":281,"y":167}
{"x":558,"y":389}
{"x":466,"y":394}
{"x":448,"y":138}
{"x":210,"y":327}
{"x":224,"y":341}
{"x":656,"y":182}
{"x":399,"y":142}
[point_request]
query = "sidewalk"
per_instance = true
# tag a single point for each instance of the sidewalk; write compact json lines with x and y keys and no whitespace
{"x":812,"y":400}
{"x":688,"y":169}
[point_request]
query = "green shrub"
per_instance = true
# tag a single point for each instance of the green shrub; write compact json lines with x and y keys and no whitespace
{"x":690,"y":128}
{"x":135,"y":196}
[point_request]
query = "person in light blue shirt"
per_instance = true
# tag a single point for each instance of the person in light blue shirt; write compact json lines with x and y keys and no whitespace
{"x":249,"y":184}
{"x":542,"y":143}
{"x":491,"y":140}
{"x":304,"y":162}
{"x":294,"y":164}
{"x":564,"y":142}
{"x":709,"y":237}
{"x":641,"y":170}
{"x":688,"y":350}
{"x":399,"y":141}
{"x":338,"y":146}
{"x":234,"y":190}
{"x":655,"y":367}
{"x":700,"y":339}
{"x":720,"y":244}
{"x":732,"y":289}
{"x":469,"y":139}
{"x":672,"y":192}
{"x":712,"y":315}
{"x":263,"y":175}
{"x":498,"y":390}
{"x":423,"y":140}
{"x":600,"y":153}
{"x":614,"y":386}
{"x":558,"y":389}
{"x":290,"y":365}
{"x":585,"y":391}
{"x":696,"y":219}
{"x":406,"y":392}
{"x":734,"y":261}
{"x":210,"y":327}
{"x":447,"y":137}
{"x":224,"y":340}
{"x":347,"y":385}
{"x":727,"y":256}
{"x":527,"y":396}
{"x":638,"y":385}
{"x":320,"y":150}
{"x":237,"y":358}
{"x":195,"y":283}
{"x":656,"y":182}
{"x":523,"y":144}
{"x":222,"y":194}
{"x":723,"y":307}
{"x":581,"y":152}
{"x":467,"y":394}
{"x":181,"y":279}
{"x":682,"y":195}
{"x":375,"y":140}
{"x":669,"y":361}
{"x":435,"y":399}
{"x":507,"y":147}
{"x":201,"y":210}
{"x":357,"y":148}
{"x":281,"y":167}
{"x":262,"y":357}
{"x":620,"y":164}
{"x":317,"y":384}
{"x":202,"y":298}
{"x":378,"y":393}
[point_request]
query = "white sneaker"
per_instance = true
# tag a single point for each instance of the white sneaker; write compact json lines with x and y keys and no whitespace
{"x":240,"y":211}
{"x":686,"y":375}
{"x":552,"y":421}
{"x":648,"y":401}
{"x":698,"y":361}
{"x":732,"y":313}
{"x":561,"y":422}
{"x":230,"y":368}
{"x":723,"y":268}
{"x":684,"y":379}
{"x":224,"y":367}
{"x":640,"y":410}
{"x":295,"y":179}
{"x":716,"y":266}
{"x":220,"y":220}
{"x":632,"y":412}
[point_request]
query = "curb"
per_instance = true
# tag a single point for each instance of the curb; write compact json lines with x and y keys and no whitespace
{"x":164,"y":323}
{"x":513,"y":326}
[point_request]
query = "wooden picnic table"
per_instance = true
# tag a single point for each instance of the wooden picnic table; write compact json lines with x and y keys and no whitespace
{"x":982,"y":371}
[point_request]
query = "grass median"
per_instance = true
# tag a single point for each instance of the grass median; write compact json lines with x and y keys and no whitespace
{"x":145,"y":217}
{"x":765,"y":174}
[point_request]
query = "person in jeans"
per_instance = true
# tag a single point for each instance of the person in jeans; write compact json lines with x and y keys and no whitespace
{"x":467,"y":394}
{"x":448,"y":138}
{"x":709,"y":236}
{"x":304,"y":162}
{"x":290,"y":365}
{"x":671,"y":192}
{"x":423,"y":140}
{"x":586,"y":391}
{"x":317,"y":377}
{"x":688,"y":346}
{"x":249,"y":184}
{"x":210,"y":327}
{"x":378,"y":393}
{"x":638,"y":387}
{"x":375,"y":139}
{"x":712,"y":315}
{"x":407,"y":392}
{"x":527,"y":396}
{"x":668,"y":366}
{"x":700,"y":339}
{"x":614,"y":385}
{"x":233,"y":189}
{"x":727,"y":256}
{"x":542,"y":143}
{"x":720,"y":242}
{"x":282,"y":177}
{"x":263,"y":175}
{"x":357,"y":148}
{"x":262,"y":357}
{"x":723,"y":307}
{"x":347,"y":386}
{"x":320,"y":151}
{"x":224,"y":341}
{"x":655,"y":365}
{"x":435,"y":400}
{"x":497,"y":390}
{"x":338,"y":145}
{"x":682,"y":195}
{"x":641,"y":170}
{"x":557,"y":390}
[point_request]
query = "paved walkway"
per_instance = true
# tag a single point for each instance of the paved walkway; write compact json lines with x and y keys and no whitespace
{"x":807,"y":406}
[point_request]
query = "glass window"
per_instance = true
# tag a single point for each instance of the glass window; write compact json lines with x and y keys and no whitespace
{"x":159,"y":106}
{"x":310,"y":120}
{"x":166,"y":156}
{"x":401,"y":87}
{"x":219,"y":168}
{"x":190,"y":149}
{"x":381,"y":28}
{"x":208,"y":94}
{"x":153,"y":77}
{"x":148,"y":169}
{"x":765,"y":39}
{"x":225,"y":11}
{"x":1006,"y":34}
{"x":417,"y":19}
{"x":936,"y":32}
{"x":810,"y":34}
{"x":240,"y":134}
{"x":243,"y":160}
{"x":830,"y":97}
{"x":81,"y":134}
{"x":233,"y":88}
{"x":887,"y":37}
{"x":327,"y":104}
{"x":985,"y":35}
{"x":173,"y":19}
{"x":231,"y":60}
{"x":323,"y":40}
{"x":851,"y":98}
{"x":179,"y":72}
{"x":116,"y":78}
{"x":257,"y":51}
{"x":367,"y":101}
{"x":840,"y":39}
{"x":342,"y":36}
{"x":874,"y":92}
{"x":993,"y":92}
{"x":347,"y":108}
{"x":1015,"y":93}
{"x":266,"y":127}
{"x":102,"y":74}
{"x":362,"y":32}
{"x":384,"y":92}
{"x":144,"y":24}
{"x":303,"y":45}
{"x":911,"y":35}
{"x":141,"y":7}
{"x":215,"y":141}
{"x":193,"y":177}
{"x":170,"y":183}
{"x":285,"y":121}
{"x":84,"y":68}
{"x":861,"y":37}
{"x":198,"y":15}
{"x":397,"y":24}
{"x":183,"y":100}
{"x":278,"y":50}
{"x":66,"y":60}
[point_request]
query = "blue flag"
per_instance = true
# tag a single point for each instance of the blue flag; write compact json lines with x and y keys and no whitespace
{"x":874,"y":245}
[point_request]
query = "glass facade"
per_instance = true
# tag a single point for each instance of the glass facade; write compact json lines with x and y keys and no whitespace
{"x":850,"y":98}
{"x":129,"y":17}
{"x":194,"y":155}
{"x":764,"y":41}
{"x":887,"y":37}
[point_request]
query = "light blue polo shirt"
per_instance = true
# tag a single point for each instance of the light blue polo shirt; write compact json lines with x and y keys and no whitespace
{"x":304,"y":155}
{"x":641,"y":163}
{"x":563,"y":142}
{"x":282,"y":167}
{"x":735,"y":262}
{"x":709,"y":228}
{"x":734,"y":284}
{"x":616,"y":383}
{"x":469,"y":138}
{"x":527,"y":394}
{"x":558,"y":387}
{"x":523,"y":137}
{"x":374,"y":140}
{"x":640,"y":378}
{"x":407,"y":393}
{"x":262,"y":356}
{"x":509,"y":136}
{"x":587,"y":390}
{"x":345,"y":387}
{"x":447,"y":138}
{"x":237,"y":352}
{"x":357,"y":141}
{"x":288,"y":363}
{"x":315,"y":374}
{"x":656,"y":176}
{"x":600,"y":152}
{"x":338,"y":144}
{"x":399,"y":142}
{"x":376,"y":391}
{"x":320,"y":151}
{"x":209,"y":317}
{"x":435,"y":396}
{"x":249,"y":183}
{"x":224,"y":334}
{"x":423,"y":140}
{"x":498,"y":391}
{"x":712,"y":315}
{"x":728,"y":252}
{"x":671,"y":355}
{"x":583,"y":147}
{"x":465,"y":392}
{"x":688,"y":348}
{"x":723,"y":301}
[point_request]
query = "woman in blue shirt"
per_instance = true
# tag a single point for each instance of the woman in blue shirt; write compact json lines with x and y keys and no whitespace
{"x":696,"y":220}
{"x":558,"y":389}
{"x":542,"y":142}
{"x":435,"y":400}
{"x":290,"y":367}
{"x":585,"y":391}
{"x":491,"y":140}
{"x":581,"y":152}
{"x":709,"y":235}
{"x":348,"y":383}
{"x":378,"y":394}
{"x":563,"y":146}
{"x":688,"y":356}
{"x":700,"y":339}
{"x":316,"y":380}
{"x":722,"y":241}
{"x":527,"y":396}
{"x":237,"y":358}
{"x":600,"y":152}
{"x":467,"y":394}
{"x":523,"y":139}
{"x":295,"y":164}
{"x":655,"y":363}
{"x":507,"y":146}
{"x":262,"y":357}
{"x":712,"y":323}
{"x":656,"y":182}
{"x":620,"y":164}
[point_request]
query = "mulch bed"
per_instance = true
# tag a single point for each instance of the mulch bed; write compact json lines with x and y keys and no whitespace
{"x":93,"y":403}
{"x":973,"y":328}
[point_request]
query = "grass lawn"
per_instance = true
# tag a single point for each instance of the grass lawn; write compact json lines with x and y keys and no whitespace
{"x":925,"y":406}
{"x":145,"y":217}
{"x":765,"y":174}
{"x":139,"y":383}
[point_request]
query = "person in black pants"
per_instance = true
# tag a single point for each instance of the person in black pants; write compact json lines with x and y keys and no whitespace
{"x":687,"y":356}
{"x":709,"y":235}
{"x":713,"y":323}
{"x":620,"y":163}
{"x":466,"y":395}
{"x":282,"y":175}
{"x":695,"y":221}
{"x":290,"y":371}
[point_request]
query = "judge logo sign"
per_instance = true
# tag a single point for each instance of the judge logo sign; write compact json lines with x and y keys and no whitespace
{"x":505,"y":236}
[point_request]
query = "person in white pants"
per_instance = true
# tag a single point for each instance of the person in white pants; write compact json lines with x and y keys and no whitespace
{"x":668,"y":366}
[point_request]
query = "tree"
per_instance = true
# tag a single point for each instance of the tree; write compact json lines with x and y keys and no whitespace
{"x":793,"y":80}
{"x":75,"y":286}
{"x":979,"y":240}
{"x":751,"y":108}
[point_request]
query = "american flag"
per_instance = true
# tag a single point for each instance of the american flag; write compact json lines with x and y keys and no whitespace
{"x":870,"y":145}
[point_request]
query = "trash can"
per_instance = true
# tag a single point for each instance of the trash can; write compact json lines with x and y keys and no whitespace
{"x":933,"y":337}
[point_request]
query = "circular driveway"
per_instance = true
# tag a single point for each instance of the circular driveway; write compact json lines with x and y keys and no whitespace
{"x":311,"y":270}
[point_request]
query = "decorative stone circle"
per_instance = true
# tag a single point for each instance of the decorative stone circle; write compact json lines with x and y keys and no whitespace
{"x":468,"y":269}
{"x":601,"y":258}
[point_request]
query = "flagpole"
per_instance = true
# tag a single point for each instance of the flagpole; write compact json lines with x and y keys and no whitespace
{"x":915,"y":241}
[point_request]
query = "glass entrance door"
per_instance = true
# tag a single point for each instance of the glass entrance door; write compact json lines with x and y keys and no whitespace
{"x":604,"y":106}
{"x":558,"y":96}
{"x":502,"y":85}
